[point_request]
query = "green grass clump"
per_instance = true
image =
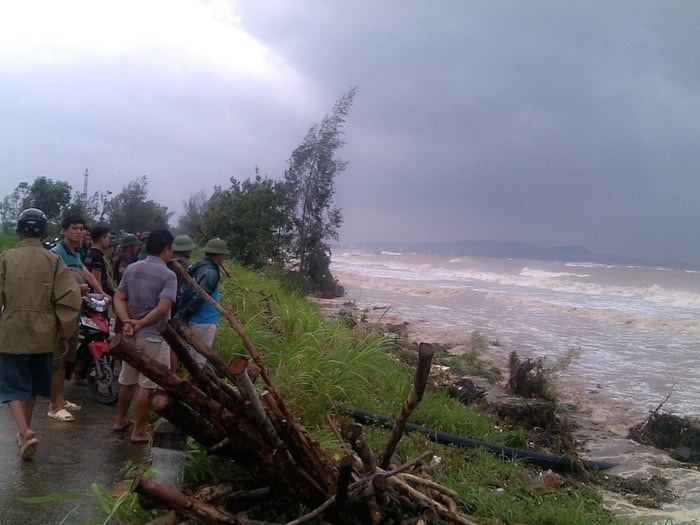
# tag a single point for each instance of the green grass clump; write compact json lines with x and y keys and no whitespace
{"x":470,"y":362}
{"x":8,"y":240}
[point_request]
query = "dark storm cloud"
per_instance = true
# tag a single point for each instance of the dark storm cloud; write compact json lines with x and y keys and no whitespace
{"x":545,"y":122}
{"x":554,"y":123}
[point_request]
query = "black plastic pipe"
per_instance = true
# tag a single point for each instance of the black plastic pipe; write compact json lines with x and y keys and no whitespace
{"x":548,"y":461}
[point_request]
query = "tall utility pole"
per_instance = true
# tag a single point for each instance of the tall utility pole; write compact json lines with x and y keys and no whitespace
{"x":85,"y":194}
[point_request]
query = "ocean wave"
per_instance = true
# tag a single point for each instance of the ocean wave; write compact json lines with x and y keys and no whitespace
{"x":638,"y":329}
{"x":533,"y":281}
{"x":638,"y":320}
{"x":587,"y":265}
{"x":544,"y":274}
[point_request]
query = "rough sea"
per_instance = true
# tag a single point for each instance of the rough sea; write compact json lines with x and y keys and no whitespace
{"x":636,"y":330}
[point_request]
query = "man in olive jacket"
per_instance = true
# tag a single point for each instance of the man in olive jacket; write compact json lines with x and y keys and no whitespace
{"x":39,"y":303}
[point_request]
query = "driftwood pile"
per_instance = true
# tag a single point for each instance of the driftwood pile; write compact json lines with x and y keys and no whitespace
{"x":679,"y":435}
{"x":251,"y":425}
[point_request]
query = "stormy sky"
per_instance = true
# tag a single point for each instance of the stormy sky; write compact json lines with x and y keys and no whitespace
{"x":554,"y":123}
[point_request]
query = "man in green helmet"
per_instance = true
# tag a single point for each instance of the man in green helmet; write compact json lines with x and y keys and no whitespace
{"x":128,"y":253}
{"x":182,"y":250}
{"x":193,"y":308}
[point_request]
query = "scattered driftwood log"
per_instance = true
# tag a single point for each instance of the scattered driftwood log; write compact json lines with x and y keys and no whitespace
{"x":251,"y":425}
{"x":680,"y":435}
{"x":465,"y":391}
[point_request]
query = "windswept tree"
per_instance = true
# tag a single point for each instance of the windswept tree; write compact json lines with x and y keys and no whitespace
{"x":132,"y":211}
{"x":96,"y":206}
{"x":192,"y":219}
{"x":309,"y":182}
{"x":92,"y":208}
{"x":251,"y":217}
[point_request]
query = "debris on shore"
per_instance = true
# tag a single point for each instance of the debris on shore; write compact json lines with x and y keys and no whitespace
{"x":679,"y":435}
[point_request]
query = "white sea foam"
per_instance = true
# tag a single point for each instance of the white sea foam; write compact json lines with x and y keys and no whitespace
{"x":587,"y":265}
{"x":537,"y":280}
{"x":543,"y":274}
{"x":636,"y":327}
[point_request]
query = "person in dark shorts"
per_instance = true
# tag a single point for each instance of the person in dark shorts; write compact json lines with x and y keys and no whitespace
{"x":39,"y":302}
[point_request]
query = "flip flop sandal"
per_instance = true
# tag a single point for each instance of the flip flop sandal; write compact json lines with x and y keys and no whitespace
{"x":119,"y":428}
{"x":61,"y":415}
{"x":28,"y":448}
{"x":72,"y":406}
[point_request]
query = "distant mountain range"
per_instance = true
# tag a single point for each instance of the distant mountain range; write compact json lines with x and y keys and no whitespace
{"x":521,"y":250}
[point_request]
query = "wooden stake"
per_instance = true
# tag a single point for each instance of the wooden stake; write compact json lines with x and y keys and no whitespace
{"x":425,"y":356}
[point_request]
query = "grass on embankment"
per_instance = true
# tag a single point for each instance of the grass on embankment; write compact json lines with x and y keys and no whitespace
{"x":315,"y":361}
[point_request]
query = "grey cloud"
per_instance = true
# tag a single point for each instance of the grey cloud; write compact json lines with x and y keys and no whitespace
{"x":546,"y":122}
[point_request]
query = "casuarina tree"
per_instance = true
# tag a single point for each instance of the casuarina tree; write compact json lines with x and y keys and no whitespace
{"x":309,"y":182}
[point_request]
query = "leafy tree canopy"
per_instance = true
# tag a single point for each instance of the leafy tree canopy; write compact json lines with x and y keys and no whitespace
{"x":51,"y":197}
{"x":251,"y":217}
{"x":132,"y":211}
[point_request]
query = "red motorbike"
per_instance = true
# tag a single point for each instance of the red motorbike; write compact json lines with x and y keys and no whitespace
{"x":94,"y":362}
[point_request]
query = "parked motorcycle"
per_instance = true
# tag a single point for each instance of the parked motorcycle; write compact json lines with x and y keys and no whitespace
{"x":94,"y":362}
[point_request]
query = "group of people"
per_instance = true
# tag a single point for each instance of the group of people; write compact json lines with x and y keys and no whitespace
{"x":40,"y":298}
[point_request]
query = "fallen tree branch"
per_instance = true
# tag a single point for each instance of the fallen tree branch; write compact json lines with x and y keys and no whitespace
{"x":418,"y":496}
{"x":428,"y":483}
{"x":238,"y":371}
{"x":318,"y":511}
{"x":171,"y":498}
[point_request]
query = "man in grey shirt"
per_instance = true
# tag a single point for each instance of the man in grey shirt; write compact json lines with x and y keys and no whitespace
{"x":142,"y":301}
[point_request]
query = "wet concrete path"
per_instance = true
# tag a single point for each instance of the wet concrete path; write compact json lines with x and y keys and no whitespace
{"x":70,"y":457}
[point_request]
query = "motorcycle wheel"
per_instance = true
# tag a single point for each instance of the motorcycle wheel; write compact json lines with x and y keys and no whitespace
{"x":104,"y":388}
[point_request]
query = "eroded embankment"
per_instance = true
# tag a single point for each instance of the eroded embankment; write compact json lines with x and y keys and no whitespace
{"x":647,"y":485}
